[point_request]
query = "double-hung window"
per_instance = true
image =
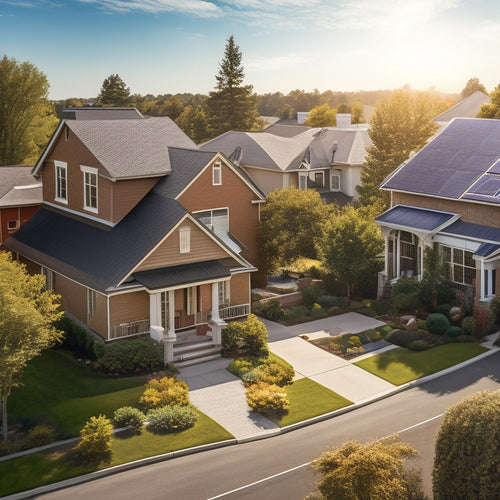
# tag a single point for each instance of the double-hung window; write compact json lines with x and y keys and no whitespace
{"x":461,"y":265}
{"x":89,"y":188}
{"x":61,"y":181}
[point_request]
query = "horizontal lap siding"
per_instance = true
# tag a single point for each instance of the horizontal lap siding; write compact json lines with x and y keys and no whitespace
{"x":99,"y":322}
{"x":128,"y":307}
{"x":127,"y":193}
{"x":240,"y":289}
{"x":203,"y":248}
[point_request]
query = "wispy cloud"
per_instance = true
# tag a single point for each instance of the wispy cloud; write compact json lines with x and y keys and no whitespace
{"x":200,"y":8}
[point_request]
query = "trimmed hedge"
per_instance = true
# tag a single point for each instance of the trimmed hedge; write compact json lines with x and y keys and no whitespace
{"x":437,"y":323}
{"x":163,"y":392}
{"x":138,"y":355}
{"x":171,"y":419}
{"x":404,"y":338}
{"x":126,"y":415}
{"x":267,"y":399}
{"x":95,"y":444}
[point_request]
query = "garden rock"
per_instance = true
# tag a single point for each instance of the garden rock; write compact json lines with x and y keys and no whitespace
{"x":411,"y":326}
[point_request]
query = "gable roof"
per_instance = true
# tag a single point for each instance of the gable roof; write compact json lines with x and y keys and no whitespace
{"x":461,"y":162}
{"x":126,"y":148}
{"x":466,"y":108}
{"x":314,"y":145}
{"x":98,"y":113}
{"x":18,"y":187}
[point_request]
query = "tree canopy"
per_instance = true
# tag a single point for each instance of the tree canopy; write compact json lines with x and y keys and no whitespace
{"x":27,"y":118}
{"x":467,"y":458}
{"x":290,"y":224}
{"x":27,"y":314}
{"x":401,"y":124}
{"x":350,"y":246}
{"x":232,"y":105}
{"x":373,"y":471}
{"x":492,"y":109}
{"x":322,"y":116}
{"x":472,"y":85}
{"x":114,"y":92}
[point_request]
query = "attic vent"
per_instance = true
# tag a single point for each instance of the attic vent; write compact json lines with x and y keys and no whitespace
{"x":236,"y":155}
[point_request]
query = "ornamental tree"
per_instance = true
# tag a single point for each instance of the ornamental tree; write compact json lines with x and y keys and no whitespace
{"x":467,"y":458}
{"x":27,"y":315}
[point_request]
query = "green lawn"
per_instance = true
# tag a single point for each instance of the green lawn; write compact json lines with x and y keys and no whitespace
{"x":309,"y":399}
{"x":58,"y":390}
{"x":38,"y":469}
{"x":399,"y":366}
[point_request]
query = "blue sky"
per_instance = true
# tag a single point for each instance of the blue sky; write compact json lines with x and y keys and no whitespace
{"x":170,"y":46}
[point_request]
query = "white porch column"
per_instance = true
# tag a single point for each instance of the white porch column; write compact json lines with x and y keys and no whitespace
{"x":215,"y":301}
{"x":481,"y":281}
{"x":169,"y":336}
{"x":216,"y":323}
{"x":386,"y":264}
{"x":398,"y":254}
{"x":155,"y":309}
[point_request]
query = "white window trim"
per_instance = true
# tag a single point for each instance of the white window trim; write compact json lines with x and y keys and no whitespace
{"x":64,"y":166}
{"x":94,"y":171}
{"x":212,"y":210}
{"x":12,"y":227}
{"x":332,"y":188}
{"x":185,"y":239}
{"x":91,"y":303}
{"x":217,"y":168}
{"x":315,"y":173}
{"x":305,"y":177}
{"x":49,"y":278}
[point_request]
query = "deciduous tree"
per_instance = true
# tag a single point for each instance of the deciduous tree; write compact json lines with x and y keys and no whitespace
{"x":374,"y":471}
{"x":467,"y":458}
{"x":27,"y":314}
{"x":290,"y":225}
{"x":350,"y":247}
{"x":472,"y":85}
{"x":232,"y":105}
{"x":114,"y":92}
{"x":401,"y":124}
{"x":27,"y":118}
{"x":322,"y":116}
{"x":492,"y":109}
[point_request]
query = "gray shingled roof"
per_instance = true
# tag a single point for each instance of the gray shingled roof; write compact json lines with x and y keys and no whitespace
{"x":262,"y":149}
{"x":131,"y":148}
{"x":96,"y":256}
{"x":18,"y":187}
{"x":466,"y":108}
{"x":452,"y":164}
{"x":98,"y":113}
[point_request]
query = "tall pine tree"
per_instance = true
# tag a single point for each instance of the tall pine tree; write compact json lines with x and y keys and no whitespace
{"x":401,"y":124}
{"x":232,"y":106}
{"x":114,"y":92}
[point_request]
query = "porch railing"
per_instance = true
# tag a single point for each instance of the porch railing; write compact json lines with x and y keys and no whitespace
{"x":131,"y":328}
{"x":234,"y":311}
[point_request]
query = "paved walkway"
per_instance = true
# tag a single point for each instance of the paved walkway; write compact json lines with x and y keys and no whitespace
{"x":221,"y":395}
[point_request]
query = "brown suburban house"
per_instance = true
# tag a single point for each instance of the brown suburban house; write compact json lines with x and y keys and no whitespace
{"x":448,"y":194}
{"x":140,"y":231}
{"x":20,"y":198}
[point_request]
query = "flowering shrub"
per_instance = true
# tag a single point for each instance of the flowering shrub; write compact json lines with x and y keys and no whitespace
{"x":267,"y":399}
{"x":96,"y":439}
{"x":166,"y":391}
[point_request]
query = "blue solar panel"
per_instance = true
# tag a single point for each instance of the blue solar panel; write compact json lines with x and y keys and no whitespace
{"x":488,"y":185}
{"x":413,"y":217}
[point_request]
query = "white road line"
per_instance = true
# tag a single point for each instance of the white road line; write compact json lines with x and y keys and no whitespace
{"x":308,"y":463}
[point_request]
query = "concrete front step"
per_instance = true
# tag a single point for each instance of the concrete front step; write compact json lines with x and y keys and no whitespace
{"x":196,"y":361}
{"x":196,"y":353}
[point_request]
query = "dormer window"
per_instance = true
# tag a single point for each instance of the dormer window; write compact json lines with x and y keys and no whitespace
{"x":61,"y":181}
{"x":89,"y":188}
{"x":217,"y":174}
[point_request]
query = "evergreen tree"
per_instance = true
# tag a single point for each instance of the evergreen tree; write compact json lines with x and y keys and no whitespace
{"x":232,"y":106}
{"x":401,"y":124}
{"x":27,"y":117}
{"x":114,"y":92}
{"x":472,"y":85}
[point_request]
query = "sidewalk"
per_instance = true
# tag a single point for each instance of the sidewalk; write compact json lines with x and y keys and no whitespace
{"x":221,"y":395}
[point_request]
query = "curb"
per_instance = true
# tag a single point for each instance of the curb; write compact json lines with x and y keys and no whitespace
{"x":222,"y":444}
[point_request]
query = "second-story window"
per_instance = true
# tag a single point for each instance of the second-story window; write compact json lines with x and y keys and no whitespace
{"x":61,"y":181}
{"x":90,"y":188}
{"x":217,"y":173}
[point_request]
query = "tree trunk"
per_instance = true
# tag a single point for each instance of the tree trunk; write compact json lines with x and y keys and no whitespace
{"x":5,"y":427}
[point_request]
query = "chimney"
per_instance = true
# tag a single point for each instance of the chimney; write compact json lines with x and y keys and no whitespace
{"x":343,"y":120}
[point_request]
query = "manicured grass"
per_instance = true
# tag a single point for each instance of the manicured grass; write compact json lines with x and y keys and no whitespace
{"x":309,"y":399}
{"x":399,"y":366}
{"x":35,"y":470}
{"x":58,"y":390}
